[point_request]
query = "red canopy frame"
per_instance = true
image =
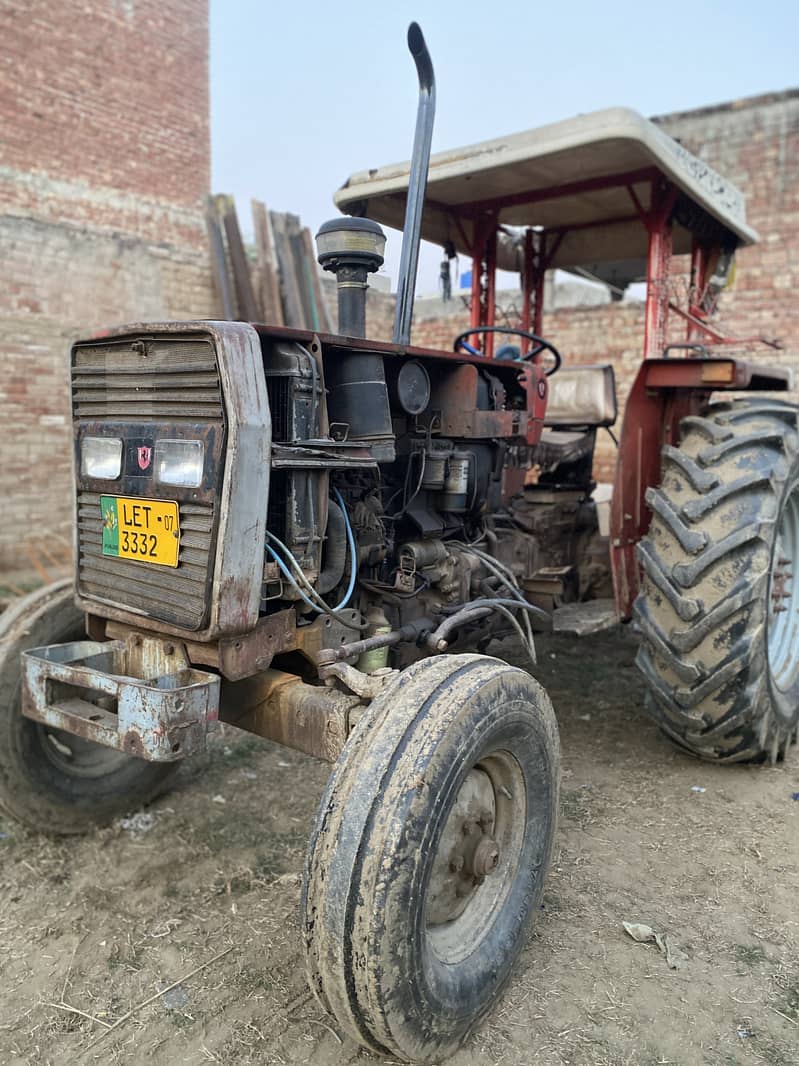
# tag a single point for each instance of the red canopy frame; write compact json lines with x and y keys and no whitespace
{"x":665,"y":390}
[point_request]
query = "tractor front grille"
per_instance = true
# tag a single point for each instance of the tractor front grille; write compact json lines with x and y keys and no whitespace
{"x":162,"y":381}
{"x":135,"y":386}
{"x":174,"y":596}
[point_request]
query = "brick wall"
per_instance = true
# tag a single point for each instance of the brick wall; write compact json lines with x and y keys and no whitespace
{"x":104,"y":166}
{"x":104,"y":169}
{"x":755,"y":143}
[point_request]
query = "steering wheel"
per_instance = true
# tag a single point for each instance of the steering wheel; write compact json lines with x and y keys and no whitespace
{"x":541,"y":345}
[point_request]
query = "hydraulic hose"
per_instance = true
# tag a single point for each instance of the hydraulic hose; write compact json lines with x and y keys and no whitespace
{"x":335,"y":549}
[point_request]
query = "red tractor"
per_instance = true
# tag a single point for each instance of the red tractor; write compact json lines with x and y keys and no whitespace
{"x":704,"y":524}
{"x":299,"y":534}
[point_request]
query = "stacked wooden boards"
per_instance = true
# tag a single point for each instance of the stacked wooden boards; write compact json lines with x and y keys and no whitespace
{"x":274,"y":280}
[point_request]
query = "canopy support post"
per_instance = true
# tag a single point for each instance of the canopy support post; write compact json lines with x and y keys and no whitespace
{"x":702,"y":258}
{"x":484,"y":278}
{"x":658,"y":223}
{"x":534,"y":269}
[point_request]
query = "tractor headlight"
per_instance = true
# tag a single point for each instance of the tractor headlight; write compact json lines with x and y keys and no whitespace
{"x":179,"y":462}
{"x":101,"y":457}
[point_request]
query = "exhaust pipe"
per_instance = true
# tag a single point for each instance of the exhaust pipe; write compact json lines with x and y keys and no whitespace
{"x":417,"y":184}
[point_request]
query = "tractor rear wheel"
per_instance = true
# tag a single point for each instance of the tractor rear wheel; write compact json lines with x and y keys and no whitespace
{"x":52,"y":781}
{"x":429,"y":854}
{"x":718,"y":610}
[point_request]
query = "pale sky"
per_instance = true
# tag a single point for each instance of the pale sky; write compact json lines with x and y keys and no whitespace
{"x":303,"y":94}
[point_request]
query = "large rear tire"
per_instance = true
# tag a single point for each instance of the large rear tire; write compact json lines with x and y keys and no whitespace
{"x":429,"y":854}
{"x":52,"y":781}
{"x":718,"y":610}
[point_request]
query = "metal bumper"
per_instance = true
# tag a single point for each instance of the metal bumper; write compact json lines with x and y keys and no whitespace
{"x":140,"y":696}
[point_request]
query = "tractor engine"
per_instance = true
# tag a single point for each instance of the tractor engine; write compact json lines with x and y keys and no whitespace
{"x":256,"y":476}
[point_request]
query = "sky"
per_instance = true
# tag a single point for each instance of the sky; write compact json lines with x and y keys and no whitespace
{"x":304,"y":94}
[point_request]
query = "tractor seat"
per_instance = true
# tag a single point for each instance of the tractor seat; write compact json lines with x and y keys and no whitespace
{"x":558,"y":446}
{"x":581,"y":396}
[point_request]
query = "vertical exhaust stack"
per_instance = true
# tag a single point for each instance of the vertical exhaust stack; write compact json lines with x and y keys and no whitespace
{"x":352,"y":249}
{"x":417,"y":184}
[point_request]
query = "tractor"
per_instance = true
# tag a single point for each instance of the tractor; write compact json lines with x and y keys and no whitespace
{"x":316,"y":538}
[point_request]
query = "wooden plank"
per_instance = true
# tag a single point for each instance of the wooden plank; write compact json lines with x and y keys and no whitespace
{"x":219,"y":262}
{"x":245,"y":296}
{"x":322,"y":318}
{"x":255,"y":277}
{"x":269,"y":286}
{"x":301,"y":280}
{"x":292,"y":300}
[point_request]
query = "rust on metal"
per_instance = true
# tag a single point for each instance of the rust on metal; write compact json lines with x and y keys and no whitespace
{"x":283,"y":708}
{"x":140,"y":696}
{"x":324,"y":633}
{"x":455,"y":396}
{"x":245,"y":655}
{"x":240,"y":520}
{"x":367,"y":686}
{"x":715,"y":373}
{"x":234,"y":657}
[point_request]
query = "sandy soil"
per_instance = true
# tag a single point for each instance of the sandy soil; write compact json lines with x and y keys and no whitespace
{"x":102,"y":923}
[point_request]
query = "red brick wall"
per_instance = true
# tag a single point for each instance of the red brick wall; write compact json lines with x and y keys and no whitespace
{"x":104,"y":167}
{"x":114,"y":94}
{"x":755,"y":143}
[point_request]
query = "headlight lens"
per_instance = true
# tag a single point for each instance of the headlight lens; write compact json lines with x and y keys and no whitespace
{"x":179,"y":462}
{"x":101,"y":457}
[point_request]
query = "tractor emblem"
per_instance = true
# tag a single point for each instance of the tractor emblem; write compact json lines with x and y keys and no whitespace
{"x":145,"y":455}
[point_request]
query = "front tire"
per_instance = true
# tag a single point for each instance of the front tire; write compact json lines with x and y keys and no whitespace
{"x":718,"y":610}
{"x":51,"y":781}
{"x":429,"y":854}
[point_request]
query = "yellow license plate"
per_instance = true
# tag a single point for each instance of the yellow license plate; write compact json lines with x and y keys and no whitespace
{"x":145,"y":530}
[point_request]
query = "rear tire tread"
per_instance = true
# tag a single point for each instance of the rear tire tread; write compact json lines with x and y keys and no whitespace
{"x":702,"y":614}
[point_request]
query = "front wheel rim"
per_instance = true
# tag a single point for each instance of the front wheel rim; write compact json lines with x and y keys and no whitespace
{"x":76,"y":757}
{"x":478,"y":856}
{"x":783,"y":597}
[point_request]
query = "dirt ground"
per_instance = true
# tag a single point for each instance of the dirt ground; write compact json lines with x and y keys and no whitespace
{"x":101,"y":924}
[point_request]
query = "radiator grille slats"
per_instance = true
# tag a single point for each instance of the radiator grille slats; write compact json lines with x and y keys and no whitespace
{"x":176,"y":596}
{"x":194,"y":555}
{"x":153,"y":380}
{"x":174,"y":381}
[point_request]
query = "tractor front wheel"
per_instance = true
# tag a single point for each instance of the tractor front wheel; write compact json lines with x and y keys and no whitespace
{"x":429,"y":854}
{"x":718,"y":610}
{"x":52,"y":781}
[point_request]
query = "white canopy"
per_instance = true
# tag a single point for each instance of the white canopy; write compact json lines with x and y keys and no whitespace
{"x":552,"y":178}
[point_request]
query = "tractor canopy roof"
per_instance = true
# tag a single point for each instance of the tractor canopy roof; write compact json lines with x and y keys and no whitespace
{"x":584,"y":178}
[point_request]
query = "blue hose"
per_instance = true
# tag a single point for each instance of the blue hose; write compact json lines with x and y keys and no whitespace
{"x":287,"y":574}
{"x":353,"y":552}
{"x":293,"y":581}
